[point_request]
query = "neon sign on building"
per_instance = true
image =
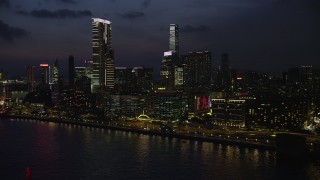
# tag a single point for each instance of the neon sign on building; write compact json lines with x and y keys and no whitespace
{"x":203,"y":103}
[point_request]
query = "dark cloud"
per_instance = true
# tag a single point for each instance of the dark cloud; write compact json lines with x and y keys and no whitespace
{"x":146,"y":3}
{"x":199,"y":4}
{"x":22,"y":12}
{"x":18,"y":6}
{"x":132,"y":15}
{"x":9,"y":33}
{"x":310,"y":5}
{"x":200,"y":28}
{"x":59,"y":14}
{"x":4,"y":3}
{"x":68,"y":1}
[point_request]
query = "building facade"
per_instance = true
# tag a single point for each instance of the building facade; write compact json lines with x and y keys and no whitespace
{"x":197,"y":71}
{"x":229,"y":112}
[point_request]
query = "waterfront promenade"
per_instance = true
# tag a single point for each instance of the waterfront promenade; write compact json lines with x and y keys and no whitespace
{"x":188,"y":131}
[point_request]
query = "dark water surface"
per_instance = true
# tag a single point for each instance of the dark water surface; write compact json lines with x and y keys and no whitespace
{"x":59,"y":151}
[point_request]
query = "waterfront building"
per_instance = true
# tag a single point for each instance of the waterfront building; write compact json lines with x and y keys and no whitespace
{"x":77,"y":101}
{"x":199,"y":104}
{"x":126,"y":105}
{"x":229,"y":112}
{"x":168,"y":105}
{"x":274,"y":111}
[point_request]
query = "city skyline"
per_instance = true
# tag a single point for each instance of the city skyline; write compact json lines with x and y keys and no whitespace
{"x":280,"y":35}
{"x":213,"y":85}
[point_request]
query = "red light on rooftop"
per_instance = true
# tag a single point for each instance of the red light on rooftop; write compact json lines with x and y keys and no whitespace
{"x":44,"y":65}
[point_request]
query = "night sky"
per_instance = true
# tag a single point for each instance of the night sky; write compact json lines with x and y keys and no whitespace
{"x":262,"y":35}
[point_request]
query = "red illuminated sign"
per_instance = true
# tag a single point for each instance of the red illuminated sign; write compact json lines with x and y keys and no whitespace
{"x":44,"y":65}
{"x":203,"y":103}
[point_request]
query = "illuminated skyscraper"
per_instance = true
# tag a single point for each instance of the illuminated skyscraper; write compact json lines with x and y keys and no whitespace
{"x":102,"y":56}
{"x":178,"y":76}
{"x":55,"y":77}
{"x":174,"y":38}
{"x":56,"y":86}
{"x":170,"y":58}
{"x":45,"y":73}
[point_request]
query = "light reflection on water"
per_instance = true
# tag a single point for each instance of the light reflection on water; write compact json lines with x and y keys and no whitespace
{"x":60,"y":151}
